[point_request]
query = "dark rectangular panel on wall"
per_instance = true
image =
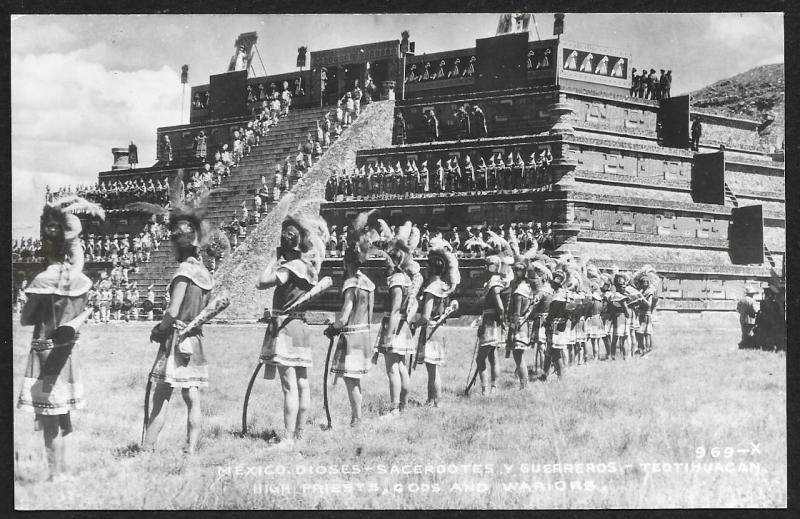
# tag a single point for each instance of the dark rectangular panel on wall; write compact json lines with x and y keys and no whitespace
{"x":746,"y":236}
{"x":228,"y":94}
{"x":708,"y":178}
{"x":673,"y":116}
{"x":501,"y":61}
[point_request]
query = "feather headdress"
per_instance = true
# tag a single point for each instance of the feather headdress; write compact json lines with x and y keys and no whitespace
{"x":358,"y":238}
{"x":445,"y":263}
{"x":63,"y":211}
{"x":649,"y":273}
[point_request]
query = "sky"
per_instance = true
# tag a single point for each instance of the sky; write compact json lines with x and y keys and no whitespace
{"x":83,"y":84}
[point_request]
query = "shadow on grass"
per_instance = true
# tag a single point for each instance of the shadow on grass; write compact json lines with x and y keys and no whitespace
{"x":264,"y":434}
{"x":128,"y":451}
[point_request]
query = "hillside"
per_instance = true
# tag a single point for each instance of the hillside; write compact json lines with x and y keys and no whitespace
{"x":758,"y":93}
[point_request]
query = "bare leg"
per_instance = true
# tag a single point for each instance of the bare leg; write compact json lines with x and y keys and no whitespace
{"x":405,"y":381}
{"x":158,"y":415}
{"x":522,"y":368}
{"x":354,"y":394}
{"x":304,"y":400}
{"x":54,"y":444}
{"x":434,"y":383}
{"x":395,"y":385}
{"x":194,"y":417}
{"x":558,"y":357}
{"x":622,"y":347}
{"x":291,"y":400}
{"x":481,"y":366}
{"x":614,"y":340}
{"x":494,"y":369}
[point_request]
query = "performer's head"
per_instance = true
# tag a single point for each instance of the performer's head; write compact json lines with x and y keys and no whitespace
{"x":621,"y":280}
{"x":60,"y":229}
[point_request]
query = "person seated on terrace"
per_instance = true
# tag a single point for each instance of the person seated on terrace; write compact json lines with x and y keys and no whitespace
{"x":251,"y":96}
{"x":454,"y":71}
{"x":440,"y":74}
{"x":432,"y":125}
{"x":470,"y":70}
{"x":196,"y":103}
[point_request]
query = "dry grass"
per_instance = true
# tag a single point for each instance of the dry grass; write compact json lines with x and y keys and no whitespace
{"x":687,"y":394}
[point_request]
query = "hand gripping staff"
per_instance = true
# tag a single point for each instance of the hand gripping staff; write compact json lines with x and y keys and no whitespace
{"x":316,"y":291}
{"x":216,"y":306}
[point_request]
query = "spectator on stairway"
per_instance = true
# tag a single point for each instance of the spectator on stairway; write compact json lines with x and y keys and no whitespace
{"x":286,"y":99}
{"x":432,"y":125}
{"x":317,"y":150}
{"x":200,"y":146}
{"x":264,"y":192}
{"x":166,"y":150}
{"x":288,"y":173}
{"x":249,"y":138}
{"x":133,"y":155}
{"x":326,"y":130}
{"x":238,"y":147}
{"x":277,"y":186}
{"x":245,"y":219}
{"x":463,"y":122}
{"x":275,"y":108}
{"x":339,"y":115}
{"x":357,"y":96}
{"x":308,"y":151}
{"x":399,"y":129}
{"x":478,"y":122}
{"x":256,"y":208}
{"x":697,"y":132}
{"x":151,"y":297}
{"x":226,"y":158}
{"x":349,"y":109}
{"x":634,"y":83}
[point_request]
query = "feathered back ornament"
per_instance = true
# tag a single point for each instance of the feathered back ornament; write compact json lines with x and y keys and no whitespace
{"x":444,"y":263}
{"x":63,"y":211}
{"x":313,"y":237}
{"x":499,"y":247}
{"x":358,"y":240}
{"x":217,"y":244}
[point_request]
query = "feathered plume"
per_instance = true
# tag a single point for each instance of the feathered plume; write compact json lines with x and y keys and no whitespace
{"x":404,"y":232}
{"x":413,"y":238}
{"x":146,"y":207}
{"x":385,"y":231}
{"x":500,"y":246}
{"x":358,"y":236}
{"x":74,"y":204}
{"x":647,"y":271}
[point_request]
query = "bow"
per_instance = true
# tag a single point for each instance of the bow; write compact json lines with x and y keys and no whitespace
{"x":147,"y":389}
{"x":475,"y":375}
{"x":331,"y":332}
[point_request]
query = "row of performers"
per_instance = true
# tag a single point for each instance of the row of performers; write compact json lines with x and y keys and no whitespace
{"x":56,"y":308}
{"x":449,"y":177}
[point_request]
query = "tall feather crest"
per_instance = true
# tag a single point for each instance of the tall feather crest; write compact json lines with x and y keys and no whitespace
{"x":74,"y":204}
{"x":413,"y":238}
{"x":404,"y":232}
{"x":385,"y":231}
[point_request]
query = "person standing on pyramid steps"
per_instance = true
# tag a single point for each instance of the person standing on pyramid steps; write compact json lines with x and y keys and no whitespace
{"x":351,"y":359}
{"x":287,"y":345}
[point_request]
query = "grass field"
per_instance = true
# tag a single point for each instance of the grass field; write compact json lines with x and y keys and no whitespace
{"x":619,"y":432}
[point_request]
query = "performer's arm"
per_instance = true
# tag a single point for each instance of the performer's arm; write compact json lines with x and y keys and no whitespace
{"x":30,"y":310}
{"x":394,"y":315}
{"x":427,"y":310}
{"x":175,"y":300}
{"x":497,"y":302}
{"x":271,"y":278}
{"x":347,"y":308}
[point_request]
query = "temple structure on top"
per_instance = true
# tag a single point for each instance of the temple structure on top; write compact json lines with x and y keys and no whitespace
{"x":624,"y":187}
